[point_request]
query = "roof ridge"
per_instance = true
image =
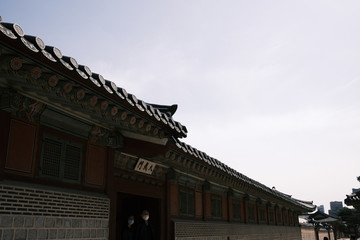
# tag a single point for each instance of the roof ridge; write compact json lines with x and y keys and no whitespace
{"x":52,"y":55}
{"x":222,"y":166}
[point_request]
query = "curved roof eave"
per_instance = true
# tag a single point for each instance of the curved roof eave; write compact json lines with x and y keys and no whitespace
{"x":13,"y":36}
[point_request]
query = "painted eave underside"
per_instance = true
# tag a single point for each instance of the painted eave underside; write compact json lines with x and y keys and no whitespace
{"x":30,"y":47}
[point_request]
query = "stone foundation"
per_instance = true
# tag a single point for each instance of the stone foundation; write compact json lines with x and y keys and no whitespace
{"x":34,"y":212}
{"x":232,"y":231}
{"x":31,"y":227}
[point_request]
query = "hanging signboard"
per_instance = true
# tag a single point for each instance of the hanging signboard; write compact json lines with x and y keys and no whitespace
{"x":145,"y":166}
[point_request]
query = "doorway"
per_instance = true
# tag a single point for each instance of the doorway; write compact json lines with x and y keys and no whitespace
{"x":128,"y":204}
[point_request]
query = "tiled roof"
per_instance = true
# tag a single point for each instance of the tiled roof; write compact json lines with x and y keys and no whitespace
{"x":14,"y":36}
{"x":320,"y":217}
{"x":353,"y":198}
{"x":223,"y":167}
{"x":52,"y":56}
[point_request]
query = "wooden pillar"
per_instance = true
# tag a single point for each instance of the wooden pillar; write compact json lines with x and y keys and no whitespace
{"x":224,"y":204}
{"x":296,"y":219}
{"x":284,"y":216}
{"x":171,"y":201}
{"x":335,"y":233}
{"x":4,"y":134}
{"x":245,"y":208}
{"x":230,"y":210}
{"x":278,"y":216}
{"x":206,"y":201}
{"x":258,"y":204}
{"x":112,"y":194}
{"x":267,"y":212}
{"x":173,"y":188}
{"x":199,"y":207}
{"x":316,"y":228}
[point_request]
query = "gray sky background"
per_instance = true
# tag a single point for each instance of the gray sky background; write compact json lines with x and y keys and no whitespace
{"x":270,"y":88}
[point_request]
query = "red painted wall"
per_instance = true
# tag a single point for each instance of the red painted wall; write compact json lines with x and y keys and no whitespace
{"x":21,"y":147}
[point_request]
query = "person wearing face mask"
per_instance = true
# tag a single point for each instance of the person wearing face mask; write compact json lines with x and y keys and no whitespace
{"x":127,"y":232}
{"x":144,"y":229}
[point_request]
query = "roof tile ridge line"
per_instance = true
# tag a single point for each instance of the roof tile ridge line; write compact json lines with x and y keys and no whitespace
{"x":66,"y":76}
{"x":303,"y":201}
{"x":239,"y":175}
{"x":281,"y":193}
{"x":19,"y":30}
{"x":253,"y":182}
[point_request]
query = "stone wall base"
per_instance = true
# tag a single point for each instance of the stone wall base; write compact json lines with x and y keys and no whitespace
{"x":38,"y":212}
{"x":227,"y":231}
{"x":38,"y":227}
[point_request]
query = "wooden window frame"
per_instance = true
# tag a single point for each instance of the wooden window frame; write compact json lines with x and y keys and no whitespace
{"x":291,"y":218}
{"x":238,"y":216}
{"x":262,"y":214}
{"x":216,"y":207}
{"x":271,"y":215}
{"x":279,"y":220}
{"x":65,"y":143}
{"x":251,"y":210}
{"x":190,"y":202}
{"x":285,"y":217}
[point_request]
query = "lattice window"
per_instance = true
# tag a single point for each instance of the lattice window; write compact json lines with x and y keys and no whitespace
{"x":216,"y":207}
{"x":72,"y":162}
{"x":271,"y":216}
{"x":285,"y":217}
{"x":51,"y":158}
{"x":236,"y":210}
{"x":187,"y":203}
{"x":262,"y":214}
{"x":251,"y":212}
{"x":278,"y":216}
{"x":61,"y":159}
{"x":291,"y":218}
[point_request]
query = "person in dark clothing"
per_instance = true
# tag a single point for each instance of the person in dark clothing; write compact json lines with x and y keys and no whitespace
{"x":127,"y":233}
{"x":143,"y":228}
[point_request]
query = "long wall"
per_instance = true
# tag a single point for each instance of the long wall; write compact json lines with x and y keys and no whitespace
{"x":32,"y":211}
{"x":227,"y":231}
{"x":36,"y":212}
{"x":308,"y":233}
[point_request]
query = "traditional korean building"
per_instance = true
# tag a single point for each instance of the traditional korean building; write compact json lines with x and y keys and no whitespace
{"x":353,"y":199}
{"x":319,"y":225}
{"x":78,"y":154}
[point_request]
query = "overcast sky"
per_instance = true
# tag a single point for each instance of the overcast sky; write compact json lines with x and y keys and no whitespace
{"x":270,"y":88}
